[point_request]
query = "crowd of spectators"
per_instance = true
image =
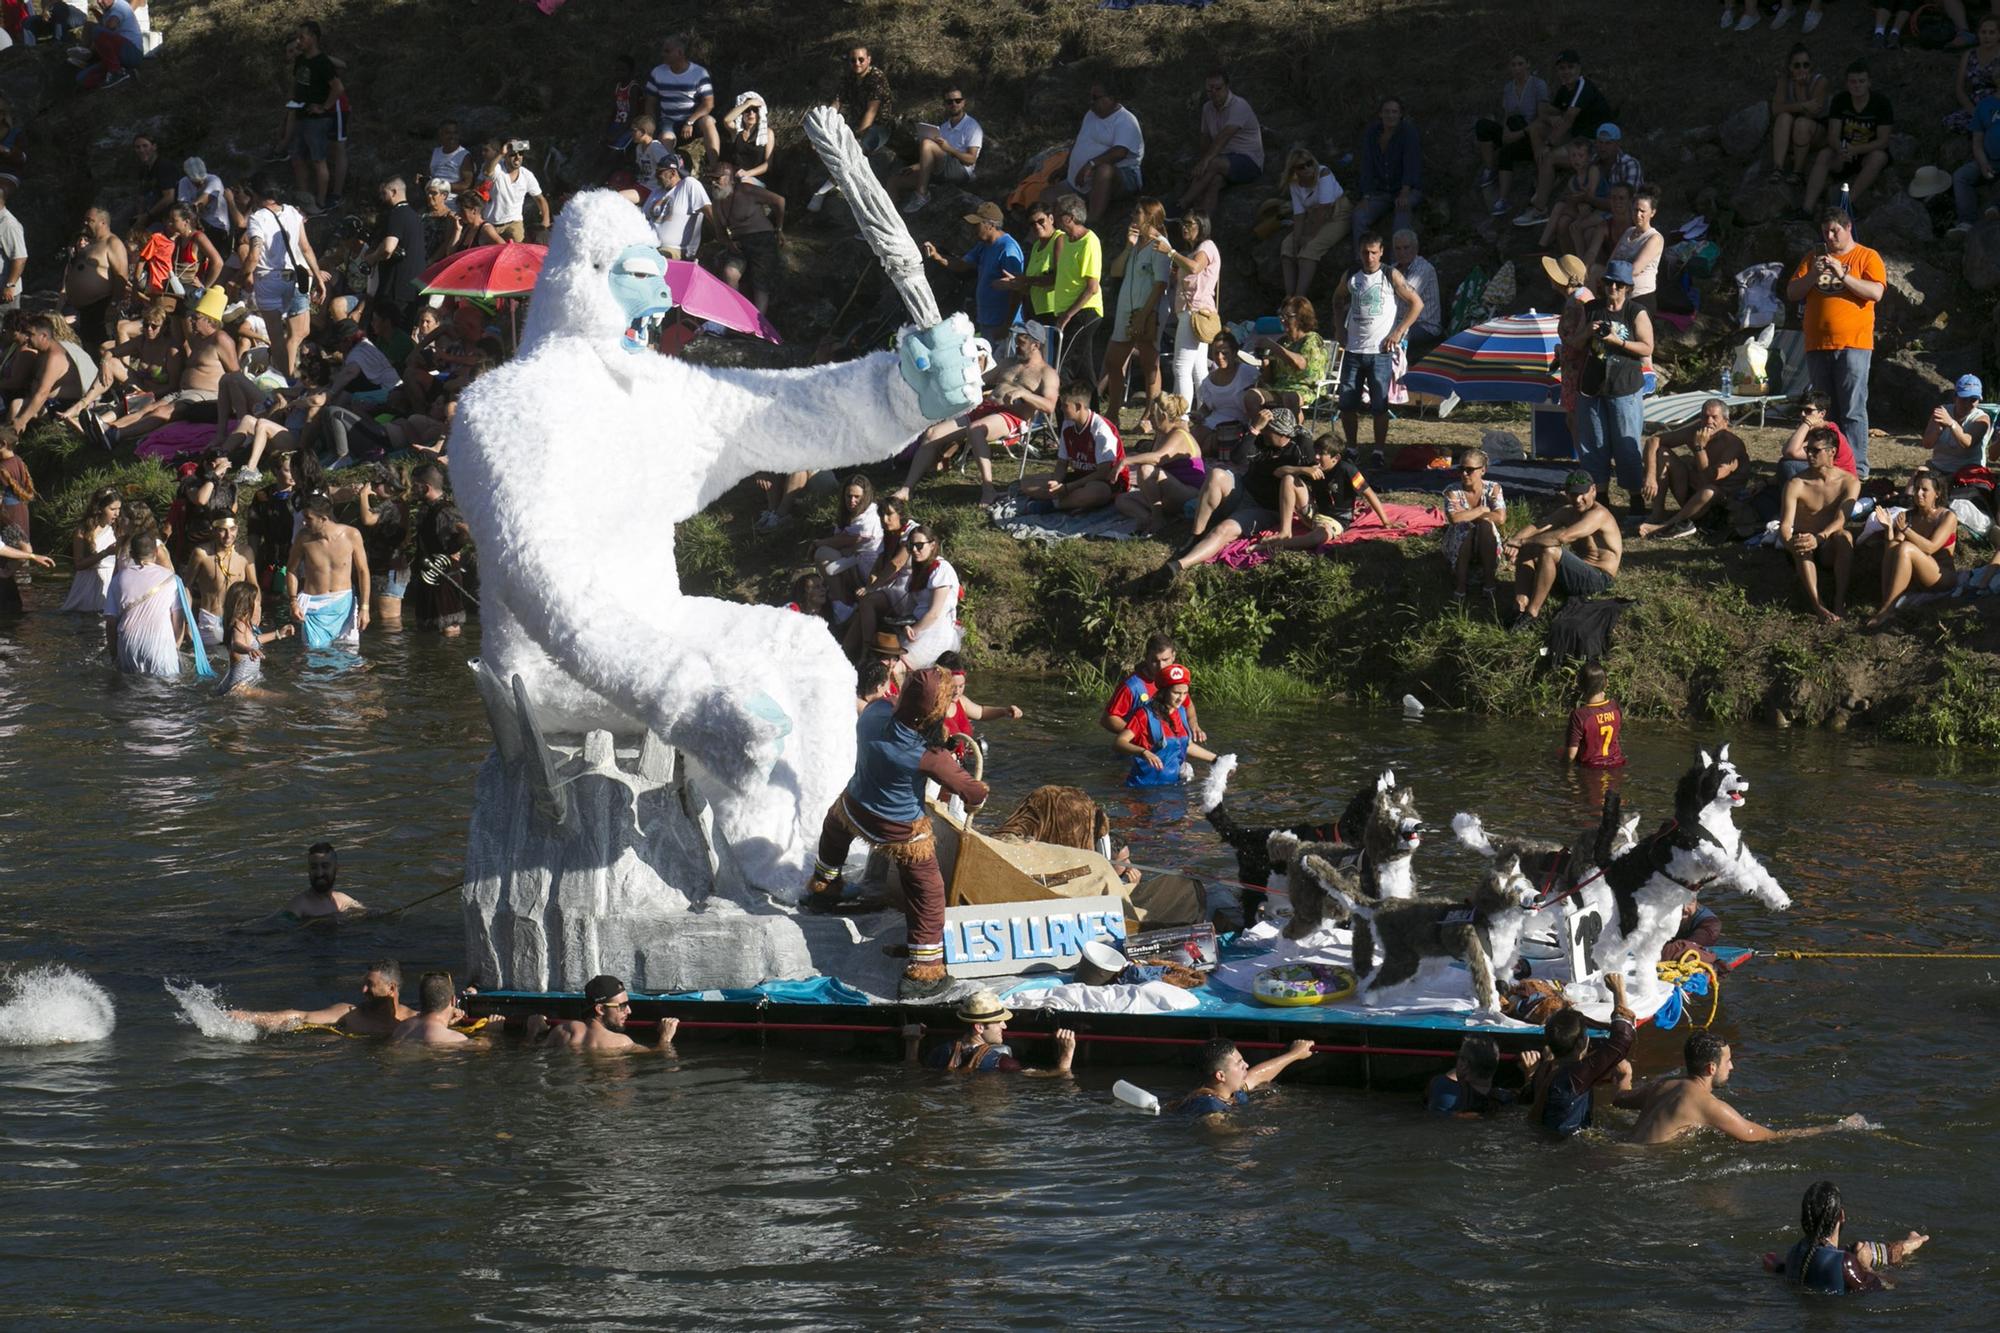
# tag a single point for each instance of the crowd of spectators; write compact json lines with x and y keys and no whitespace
{"x":253,"y":324}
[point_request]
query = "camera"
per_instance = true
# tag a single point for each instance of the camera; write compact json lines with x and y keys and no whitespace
{"x":1602,"y":328}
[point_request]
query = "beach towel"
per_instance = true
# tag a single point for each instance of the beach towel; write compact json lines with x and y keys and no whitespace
{"x":1059,"y":526}
{"x":1416,"y":520}
{"x":175,"y":439}
{"x":327,"y":619}
{"x":201,"y":666}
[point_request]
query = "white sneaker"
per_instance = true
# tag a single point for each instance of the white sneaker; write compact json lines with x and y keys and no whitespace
{"x":1749,"y":21}
{"x":916,"y":203}
{"x":1782,"y":17}
{"x":1728,"y":18}
{"x":1813,"y":16}
{"x":1959,"y":229}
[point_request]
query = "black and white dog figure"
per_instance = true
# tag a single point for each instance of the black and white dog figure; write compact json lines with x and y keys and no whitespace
{"x":1626,"y":915}
{"x":1389,"y":842}
{"x":1557,"y":869}
{"x":1484,"y":934}
{"x":1258,"y":857}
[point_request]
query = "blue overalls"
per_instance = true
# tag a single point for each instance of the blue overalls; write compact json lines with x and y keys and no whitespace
{"x":1172,"y":751}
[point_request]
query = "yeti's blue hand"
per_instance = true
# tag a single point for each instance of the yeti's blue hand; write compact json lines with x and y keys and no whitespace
{"x":942,"y":364}
{"x":765,"y":725}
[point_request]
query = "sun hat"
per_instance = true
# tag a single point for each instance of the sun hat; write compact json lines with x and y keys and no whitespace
{"x":1968,"y":386}
{"x":1568,"y":271}
{"x":212,"y":303}
{"x":1283,"y":421}
{"x":986,"y":212}
{"x":887,"y":643}
{"x":983,"y":1006}
{"x":1619,"y":271}
{"x":1929,"y":181}
{"x":1100,"y":964}
{"x":1609,"y":133}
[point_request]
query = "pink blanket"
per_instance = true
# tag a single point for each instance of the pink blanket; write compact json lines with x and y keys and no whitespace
{"x":173,"y":440}
{"x":1416,"y":520}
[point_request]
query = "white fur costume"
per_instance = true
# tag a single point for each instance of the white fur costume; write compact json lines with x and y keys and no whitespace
{"x":572,"y":464}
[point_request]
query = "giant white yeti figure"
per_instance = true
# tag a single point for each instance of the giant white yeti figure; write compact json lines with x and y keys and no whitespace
{"x":572,"y":464}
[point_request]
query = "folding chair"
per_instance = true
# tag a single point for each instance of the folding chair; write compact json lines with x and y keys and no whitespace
{"x":1326,"y":393}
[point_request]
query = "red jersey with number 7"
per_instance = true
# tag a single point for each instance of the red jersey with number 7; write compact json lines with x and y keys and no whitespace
{"x":1593,"y":734}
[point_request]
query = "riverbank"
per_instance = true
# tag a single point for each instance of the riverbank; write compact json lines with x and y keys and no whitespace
{"x":1713,"y":635}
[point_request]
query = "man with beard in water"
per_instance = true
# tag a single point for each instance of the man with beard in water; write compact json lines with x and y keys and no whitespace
{"x":610,"y":1005}
{"x":380,"y":1010}
{"x":319,"y":899}
{"x":436,"y":595}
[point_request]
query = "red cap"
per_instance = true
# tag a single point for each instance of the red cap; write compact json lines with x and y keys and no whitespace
{"x":1176,"y":674}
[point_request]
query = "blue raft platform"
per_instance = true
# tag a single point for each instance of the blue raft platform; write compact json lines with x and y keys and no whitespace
{"x":824,"y":1016}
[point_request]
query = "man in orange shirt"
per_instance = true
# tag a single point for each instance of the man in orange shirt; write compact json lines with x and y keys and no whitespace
{"x":1840,"y":282}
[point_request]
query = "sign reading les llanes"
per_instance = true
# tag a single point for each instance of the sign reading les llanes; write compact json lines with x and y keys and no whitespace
{"x":1009,"y":939}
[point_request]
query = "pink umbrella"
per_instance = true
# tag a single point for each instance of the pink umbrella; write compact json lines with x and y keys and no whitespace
{"x":699,"y":294}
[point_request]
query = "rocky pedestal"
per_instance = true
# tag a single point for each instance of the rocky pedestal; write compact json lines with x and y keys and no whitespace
{"x":594,"y":854}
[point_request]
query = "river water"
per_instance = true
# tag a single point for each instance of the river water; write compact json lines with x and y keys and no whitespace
{"x":160,"y":1176}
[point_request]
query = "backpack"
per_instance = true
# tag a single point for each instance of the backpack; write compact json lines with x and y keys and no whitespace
{"x":1931,"y":28}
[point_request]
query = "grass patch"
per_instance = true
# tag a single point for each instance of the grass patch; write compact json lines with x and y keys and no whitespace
{"x":1955,"y":711}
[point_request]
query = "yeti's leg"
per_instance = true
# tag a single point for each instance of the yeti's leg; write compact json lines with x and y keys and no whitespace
{"x":1481,"y":968}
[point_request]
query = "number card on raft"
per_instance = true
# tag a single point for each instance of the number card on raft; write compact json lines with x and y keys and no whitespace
{"x":1011,"y":939}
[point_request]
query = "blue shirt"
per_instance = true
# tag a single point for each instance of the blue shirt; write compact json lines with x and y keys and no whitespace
{"x":1986,"y":120}
{"x":1207,"y":1103}
{"x":886,"y":782}
{"x":991,"y":304}
{"x":119,"y":20}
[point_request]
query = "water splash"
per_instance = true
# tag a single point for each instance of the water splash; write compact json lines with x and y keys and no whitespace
{"x":53,"y":1005}
{"x":202,"y":1008}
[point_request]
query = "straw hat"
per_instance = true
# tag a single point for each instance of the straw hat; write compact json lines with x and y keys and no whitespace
{"x":1568,"y":271}
{"x":983,"y":1006}
{"x":1929,"y":181}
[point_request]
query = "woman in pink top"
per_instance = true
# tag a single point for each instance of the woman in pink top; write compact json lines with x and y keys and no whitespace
{"x":1196,"y":284}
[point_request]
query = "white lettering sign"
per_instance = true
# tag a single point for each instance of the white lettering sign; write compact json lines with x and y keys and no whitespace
{"x":1011,"y":939}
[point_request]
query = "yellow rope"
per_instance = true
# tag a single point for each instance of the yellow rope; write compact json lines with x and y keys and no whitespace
{"x":1689,"y":965}
{"x":1830,"y":953}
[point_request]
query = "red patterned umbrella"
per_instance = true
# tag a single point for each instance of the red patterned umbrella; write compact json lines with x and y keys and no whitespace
{"x":507,"y":269}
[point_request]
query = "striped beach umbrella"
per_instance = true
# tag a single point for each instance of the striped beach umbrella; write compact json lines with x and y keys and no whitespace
{"x":1511,"y":359}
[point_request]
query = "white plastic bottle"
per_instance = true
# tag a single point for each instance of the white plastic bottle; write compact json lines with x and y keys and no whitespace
{"x":1135,"y":1097}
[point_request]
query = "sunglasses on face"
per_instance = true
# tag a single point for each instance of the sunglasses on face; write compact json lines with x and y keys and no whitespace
{"x":954,"y":101}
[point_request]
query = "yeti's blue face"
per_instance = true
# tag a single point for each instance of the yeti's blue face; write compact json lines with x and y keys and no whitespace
{"x":639,"y":285}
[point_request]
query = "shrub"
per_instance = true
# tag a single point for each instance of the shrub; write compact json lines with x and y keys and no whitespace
{"x":704,"y":555}
{"x":63,"y":508}
{"x":1956,"y":711}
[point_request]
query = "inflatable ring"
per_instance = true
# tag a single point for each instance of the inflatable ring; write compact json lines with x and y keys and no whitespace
{"x":1294,"y":984}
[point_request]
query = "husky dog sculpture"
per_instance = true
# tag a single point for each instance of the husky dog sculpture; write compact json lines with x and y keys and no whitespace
{"x":1389,"y":841}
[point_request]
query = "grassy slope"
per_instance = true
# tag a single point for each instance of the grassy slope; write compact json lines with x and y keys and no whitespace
{"x":1712,"y":636}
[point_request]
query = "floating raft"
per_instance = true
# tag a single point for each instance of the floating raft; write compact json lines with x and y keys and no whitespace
{"x":1359,"y":1048}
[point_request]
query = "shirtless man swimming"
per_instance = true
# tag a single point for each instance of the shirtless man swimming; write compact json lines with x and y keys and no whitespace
{"x":319,"y":899}
{"x":326,"y":579}
{"x":1671,"y":1106}
{"x":380,"y":1010}
{"x":604,"y":1030}
{"x":1693,"y":480}
{"x":437,"y":1010}
{"x":1543,"y":559}
{"x":99,"y":270}
{"x":1812,"y":522}
{"x":1019,"y":387}
{"x":49,"y":369}
{"x":215,"y":563}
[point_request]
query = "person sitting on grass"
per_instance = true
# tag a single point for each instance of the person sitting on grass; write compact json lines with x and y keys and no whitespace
{"x":887,"y":585}
{"x":1324,"y":495}
{"x":1475,"y":512}
{"x":1819,"y":1263}
{"x":1595,"y":723}
{"x":1295,"y":358}
{"x":1543,"y":560}
{"x":1694,"y":480}
{"x":1918,"y":546}
{"x":808,"y":596}
{"x":984,"y":1050}
{"x":1232,"y":505}
{"x":1169,"y":474}
{"x":1958,"y":436}
{"x":1141,"y":683}
{"x":847,"y":555}
{"x":1227,"y":1079}
{"x":1672,"y":1106}
{"x":1093,"y":472}
{"x":1019,"y":387}
{"x":1812,"y":416}
{"x":1812,"y":523}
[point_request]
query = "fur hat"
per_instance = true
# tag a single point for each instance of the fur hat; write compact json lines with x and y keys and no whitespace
{"x":926,"y":694}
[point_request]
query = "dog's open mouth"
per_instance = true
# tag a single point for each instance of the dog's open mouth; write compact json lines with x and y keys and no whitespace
{"x":644,"y":330}
{"x":1411,"y":834}
{"x":1736,"y":798}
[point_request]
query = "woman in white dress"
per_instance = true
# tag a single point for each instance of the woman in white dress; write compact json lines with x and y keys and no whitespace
{"x":933,"y":601}
{"x":92,"y":549}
